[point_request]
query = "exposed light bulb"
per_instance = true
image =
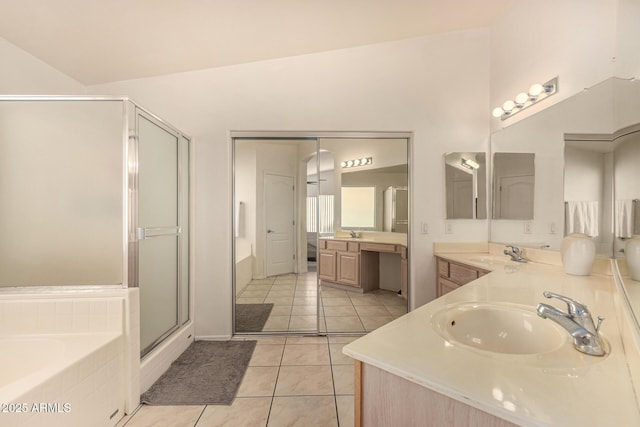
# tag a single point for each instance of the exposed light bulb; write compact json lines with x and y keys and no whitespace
{"x":497,"y":112}
{"x":349,"y":163}
{"x":343,"y":164}
{"x":508,"y":106}
{"x":535,"y":90}
{"x":521,"y":98}
{"x":364,"y":161}
{"x":356,"y":162}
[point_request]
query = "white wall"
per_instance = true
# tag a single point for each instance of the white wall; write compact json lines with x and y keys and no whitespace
{"x":536,"y":40}
{"x":628,"y":39}
{"x":420,"y":85}
{"x":23,"y":74}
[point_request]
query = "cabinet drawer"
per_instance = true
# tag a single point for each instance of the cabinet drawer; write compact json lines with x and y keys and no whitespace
{"x":336,"y":245}
{"x":462,"y":275}
{"x":353,"y":246}
{"x":445,"y":286}
{"x":443,"y":268}
{"x":378,"y":247}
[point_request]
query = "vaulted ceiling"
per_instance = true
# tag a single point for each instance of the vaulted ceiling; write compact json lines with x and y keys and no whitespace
{"x":98,"y":41}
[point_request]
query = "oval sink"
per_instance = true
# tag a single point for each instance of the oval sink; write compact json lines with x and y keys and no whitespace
{"x":498,"y":328}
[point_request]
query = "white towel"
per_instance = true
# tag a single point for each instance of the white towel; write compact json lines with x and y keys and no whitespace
{"x":583,"y":217}
{"x":624,"y":218}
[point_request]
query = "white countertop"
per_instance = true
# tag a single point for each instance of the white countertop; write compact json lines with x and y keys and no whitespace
{"x":370,"y":237}
{"x":572,"y":390}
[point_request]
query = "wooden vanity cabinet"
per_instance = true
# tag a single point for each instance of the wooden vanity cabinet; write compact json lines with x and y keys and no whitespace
{"x":357,"y":264}
{"x":451,"y":275}
{"x":339,"y":262}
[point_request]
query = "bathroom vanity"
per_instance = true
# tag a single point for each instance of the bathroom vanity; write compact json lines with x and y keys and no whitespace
{"x":452,"y":275}
{"x":418,"y":370}
{"x":354,"y":263}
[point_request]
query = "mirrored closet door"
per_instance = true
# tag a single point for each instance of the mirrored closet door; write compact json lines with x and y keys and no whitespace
{"x":295,"y":207}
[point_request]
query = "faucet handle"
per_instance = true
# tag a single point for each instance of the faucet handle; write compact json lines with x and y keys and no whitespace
{"x":575,"y":308}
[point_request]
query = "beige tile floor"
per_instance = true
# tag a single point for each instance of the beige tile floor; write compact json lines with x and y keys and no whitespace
{"x":294,"y":298}
{"x":290,"y":381}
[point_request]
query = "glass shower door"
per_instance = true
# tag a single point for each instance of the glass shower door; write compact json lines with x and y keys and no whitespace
{"x":158,"y":231}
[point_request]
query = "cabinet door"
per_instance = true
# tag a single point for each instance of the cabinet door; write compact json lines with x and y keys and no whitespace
{"x":348,"y":268}
{"x":445,"y":286}
{"x":327,"y":265}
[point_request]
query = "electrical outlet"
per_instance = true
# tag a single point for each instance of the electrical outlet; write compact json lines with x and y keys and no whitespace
{"x":527,"y":228}
{"x":552,"y":228}
{"x":448,"y":228}
{"x":424,"y":228}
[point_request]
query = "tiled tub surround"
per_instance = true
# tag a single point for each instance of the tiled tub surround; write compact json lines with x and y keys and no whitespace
{"x":66,"y":359}
{"x":585,"y":391}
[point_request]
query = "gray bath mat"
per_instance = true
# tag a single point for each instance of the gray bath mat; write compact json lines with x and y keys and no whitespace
{"x":207,"y":373}
{"x":252,"y":317}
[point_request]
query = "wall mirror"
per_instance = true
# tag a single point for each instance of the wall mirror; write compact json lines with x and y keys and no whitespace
{"x":290,"y":193}
{"x":465,"y":185}
{"x":587,"y":150}
{"x":513,"y":185}
{"x":542,"y":135}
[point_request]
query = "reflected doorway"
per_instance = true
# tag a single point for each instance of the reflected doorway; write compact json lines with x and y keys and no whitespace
{"x":279,"y":293}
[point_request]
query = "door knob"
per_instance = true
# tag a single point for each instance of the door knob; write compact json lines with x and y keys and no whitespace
{"x":269,"y":231}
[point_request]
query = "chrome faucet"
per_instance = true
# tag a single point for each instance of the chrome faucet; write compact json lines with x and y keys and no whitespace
{"x":515,"y":253}
{"x":578,"y":322}
{"x":353,"y":234}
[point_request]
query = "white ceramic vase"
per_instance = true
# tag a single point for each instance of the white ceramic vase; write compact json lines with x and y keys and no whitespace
{"x":578,"y":252}
{"x":632,"y":255}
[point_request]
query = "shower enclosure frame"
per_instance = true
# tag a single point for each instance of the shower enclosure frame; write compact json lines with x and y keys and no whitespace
{"x":130,"y":246}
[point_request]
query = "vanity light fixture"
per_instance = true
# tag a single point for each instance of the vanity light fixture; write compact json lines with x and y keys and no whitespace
{"x":469,"y":164}
{"x":537,"y":92}
{"x":365,"y":161}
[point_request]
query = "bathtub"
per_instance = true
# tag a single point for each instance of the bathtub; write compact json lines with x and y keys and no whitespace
{"x":62,"y":362}
{"x":244,"y":265}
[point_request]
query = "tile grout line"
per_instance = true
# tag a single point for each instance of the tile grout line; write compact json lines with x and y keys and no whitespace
{"x":202,"y":413}
{"x":275,"y":385}
{"x":333,"y":382}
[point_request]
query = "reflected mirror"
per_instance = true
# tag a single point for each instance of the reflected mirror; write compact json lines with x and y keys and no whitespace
{"x":588,"y":189}
{"x":465,"y":185}
{"x":513,"y":185}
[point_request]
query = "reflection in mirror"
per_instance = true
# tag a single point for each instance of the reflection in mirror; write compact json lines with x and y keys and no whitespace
{"x":627,"y":205}
{"x":375,"y":199}
{"x":513,"y":185}
{"x":543,"y":133}
{"x":588,"y":195}
{"x":627,"y":185}
{"x":287,"y":201}
{"x":465,"y":185}
{"x":271,"y":181}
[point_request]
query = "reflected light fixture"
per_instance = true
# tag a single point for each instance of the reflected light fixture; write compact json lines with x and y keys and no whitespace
{"x":364,"y":161}
{"x":469,"y":164}
{"x":537,"y":92}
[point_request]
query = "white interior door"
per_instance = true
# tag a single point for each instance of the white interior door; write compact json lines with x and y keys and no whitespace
{"x":279,"y":224}
{"x":516,"y":197}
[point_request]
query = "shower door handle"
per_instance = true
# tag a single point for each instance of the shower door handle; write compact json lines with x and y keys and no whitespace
{"x":143,"y":233}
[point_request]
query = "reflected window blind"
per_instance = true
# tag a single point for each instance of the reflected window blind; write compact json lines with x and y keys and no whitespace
{"x":326,"y":213}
